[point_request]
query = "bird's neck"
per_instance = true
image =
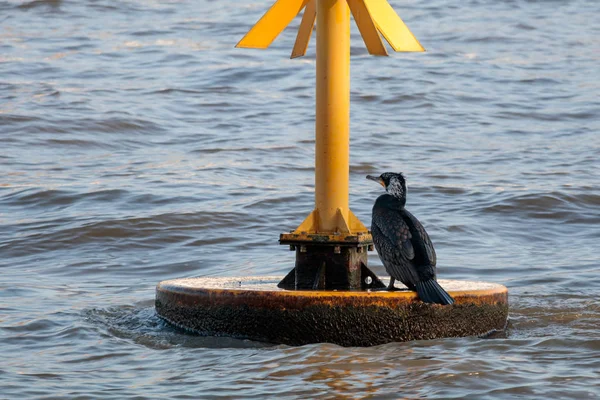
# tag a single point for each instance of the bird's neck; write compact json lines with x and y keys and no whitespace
{"x":401,"y":201}
{"x":393,"y":202}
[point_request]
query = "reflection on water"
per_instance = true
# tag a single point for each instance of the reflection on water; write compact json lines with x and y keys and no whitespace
{"x":137,"y":145}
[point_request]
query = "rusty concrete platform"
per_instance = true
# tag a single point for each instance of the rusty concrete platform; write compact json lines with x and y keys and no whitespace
{"x":255,"y":308}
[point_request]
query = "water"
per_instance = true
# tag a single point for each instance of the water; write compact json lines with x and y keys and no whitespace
{"x":138,"y":145}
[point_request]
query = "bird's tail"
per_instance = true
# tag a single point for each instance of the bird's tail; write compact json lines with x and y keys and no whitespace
{"x":431,"y":292}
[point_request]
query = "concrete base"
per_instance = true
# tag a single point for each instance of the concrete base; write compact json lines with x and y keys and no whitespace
{"x":255,"y":308}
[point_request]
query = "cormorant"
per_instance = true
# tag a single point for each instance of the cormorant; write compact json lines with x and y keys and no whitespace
{"x":402,"y":243}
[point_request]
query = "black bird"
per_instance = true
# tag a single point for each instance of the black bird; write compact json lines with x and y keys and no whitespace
{"x":402,"y":243}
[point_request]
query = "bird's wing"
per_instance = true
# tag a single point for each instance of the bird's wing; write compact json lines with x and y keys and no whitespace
{"x":397,"y":232}
{"x":429,"y":250}
{"x":392,"y":238}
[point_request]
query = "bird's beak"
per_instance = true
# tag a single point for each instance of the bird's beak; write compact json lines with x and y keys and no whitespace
{"x":376,"y":179}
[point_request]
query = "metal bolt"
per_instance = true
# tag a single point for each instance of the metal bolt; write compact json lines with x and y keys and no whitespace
{"x":337,"y":250}
{"x":292,"y":247}
{"x":302,"y":249}
{"x":371,"y":248}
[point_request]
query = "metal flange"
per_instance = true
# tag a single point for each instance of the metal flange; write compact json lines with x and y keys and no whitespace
{"x":359,"y":239}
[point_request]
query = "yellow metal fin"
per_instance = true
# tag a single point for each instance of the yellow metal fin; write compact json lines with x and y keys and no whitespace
{"x":342,"y":225}
{"x":355,"y":224}
{"x":367,"y":28}
{"x":392,"y":27}
{"x":351,"y":225}
{"x":305,"y":30}
{"x":272,"y":24}
{"x":310,"y":223}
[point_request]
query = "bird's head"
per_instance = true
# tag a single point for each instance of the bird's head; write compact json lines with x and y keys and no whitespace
{"x":394,"y":183}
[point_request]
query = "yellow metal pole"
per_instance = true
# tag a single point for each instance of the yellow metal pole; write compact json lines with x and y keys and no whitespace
{"x":332,"y":172}
{"x":373,"y":17}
